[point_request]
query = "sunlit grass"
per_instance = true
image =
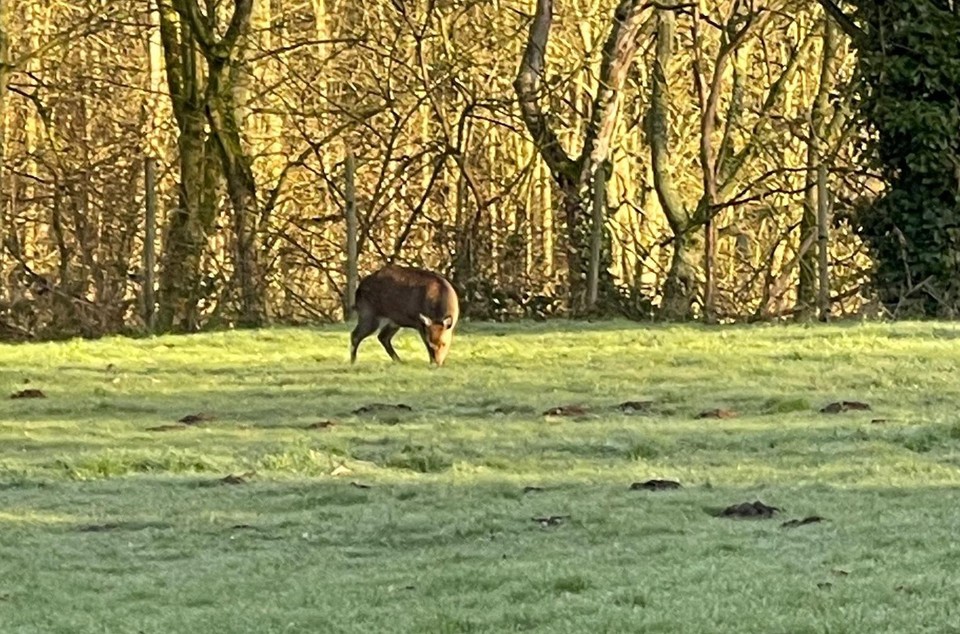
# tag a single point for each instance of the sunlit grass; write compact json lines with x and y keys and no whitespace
{"x":106,"y":525}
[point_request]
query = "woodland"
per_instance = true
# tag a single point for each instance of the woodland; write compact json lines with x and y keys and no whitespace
{"x":715,"y":160}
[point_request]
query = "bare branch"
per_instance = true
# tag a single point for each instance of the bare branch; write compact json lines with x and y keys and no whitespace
{"x":843,"y":21}
{"x":289,"y":48}
{"x":773,"y":95}
{"x":617,"y":58}
{"x":658,"y":127}
{"x":709,"y":113}
{"x":271,"y":202}
{"x":528,"y":86}
{"x":219,"y":49}
{"x":190,"y":12}
{"x":418,"y":210}
{"x":91,"y":25}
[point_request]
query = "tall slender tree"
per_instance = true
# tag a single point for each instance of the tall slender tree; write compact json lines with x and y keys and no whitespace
{"x":816,"y":144}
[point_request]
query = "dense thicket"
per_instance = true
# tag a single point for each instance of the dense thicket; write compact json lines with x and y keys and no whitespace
{"x":707,"y":175}
{"x":909,"y":66}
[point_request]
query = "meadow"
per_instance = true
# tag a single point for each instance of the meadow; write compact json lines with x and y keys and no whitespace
{"x":304,"y":494}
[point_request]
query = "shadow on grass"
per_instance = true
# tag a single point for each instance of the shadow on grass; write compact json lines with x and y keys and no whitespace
{"x":428,"y":395}
{"x":140,"y":500}
{"x":472,"y":555}
{"x":405,"y":450}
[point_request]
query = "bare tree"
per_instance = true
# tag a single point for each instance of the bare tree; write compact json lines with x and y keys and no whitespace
{"x":194,"y":216}
{"x":221,"y":107}
{"x":200,"y":105}
{"x":577,"y":177}
{"x":721,"y":167}
{"x":681,"y":286}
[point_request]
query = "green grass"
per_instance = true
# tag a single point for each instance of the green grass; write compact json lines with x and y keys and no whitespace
{"x":108,"y":527}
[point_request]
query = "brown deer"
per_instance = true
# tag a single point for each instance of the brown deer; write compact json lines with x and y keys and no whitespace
{"x":401,"y":297}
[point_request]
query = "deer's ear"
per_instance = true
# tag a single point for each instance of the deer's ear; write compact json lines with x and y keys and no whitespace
{"x":448,"y":322}
{"x":426,"y":320}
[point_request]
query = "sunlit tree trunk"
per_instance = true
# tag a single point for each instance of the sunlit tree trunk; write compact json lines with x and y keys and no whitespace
{"x":680,"y":287}
{"x":807,"y":283}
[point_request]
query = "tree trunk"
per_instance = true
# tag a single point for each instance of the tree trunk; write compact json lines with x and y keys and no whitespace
{"x":188,"y":225}
{"x":350,"y":204}
{"x":596,"y":239}
{"x":807,"y":282}
{"x":681,"y":286}
{"x":247,"y":272}
{"x":187,"y":228}
{"x":222,"y":99}
{"x":149,"y":240}
{"x":708,"y":99}
{"x":215,"y":107}
{"x":577,"y":241}
{"x":823,"y":240}
{"x":807,"y":276}
{"x":242,"y":191}
{"x":6,"y":187}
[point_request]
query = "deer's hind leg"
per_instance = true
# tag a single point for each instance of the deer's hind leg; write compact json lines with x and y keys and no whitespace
{"x":385,"y":337}
{"x":367,"y":324}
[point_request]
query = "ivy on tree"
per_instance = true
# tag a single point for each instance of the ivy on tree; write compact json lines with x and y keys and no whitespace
{"x":909,"y":63}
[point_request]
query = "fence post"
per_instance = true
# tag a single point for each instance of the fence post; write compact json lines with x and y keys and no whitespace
{"x":149,"y":242}
{"x":351,"y":212}
{"x":823,"y":242}
{"x":596,"y":236}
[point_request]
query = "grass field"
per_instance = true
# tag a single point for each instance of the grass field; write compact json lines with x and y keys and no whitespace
{"x":418,"y":520}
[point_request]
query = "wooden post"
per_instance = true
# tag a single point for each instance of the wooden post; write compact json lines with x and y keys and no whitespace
{"x":823,"y":237}
{"x":351,"y":212}
{"x":149,"y":243}
{"x":596,"y":237}
{"x":709,"y":266}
